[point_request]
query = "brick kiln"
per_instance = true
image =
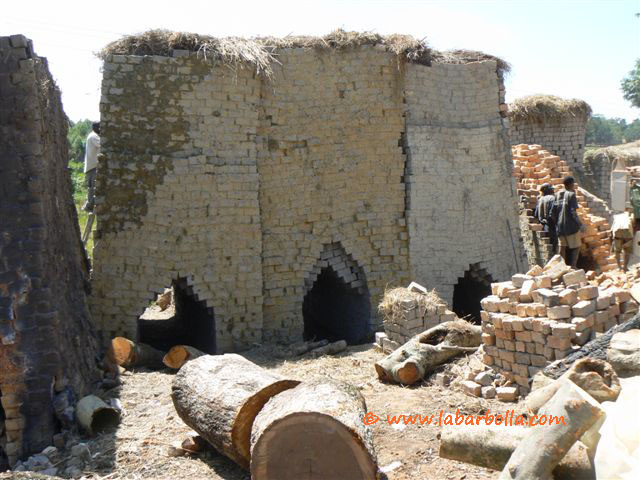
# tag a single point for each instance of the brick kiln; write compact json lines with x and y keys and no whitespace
{"x":47,"y":342}
{"x":557,"y":123}
{"x":344,"y":168}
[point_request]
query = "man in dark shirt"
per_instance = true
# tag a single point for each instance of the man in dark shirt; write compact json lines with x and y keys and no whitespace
{"x":543,"y":213}
{"x":568,"y":224}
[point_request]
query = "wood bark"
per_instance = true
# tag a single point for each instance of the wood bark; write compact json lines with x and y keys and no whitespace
{"x":594,"y":376}
{"x":95,"y":416}
{"x":127,"y":353}
{"x":313,"y":432}
{"x":304,"y":347}
{"x":219,"y":396}
{"x":330,"y":349}
{"x":544,"y":446}
{"x":178,"y":355}
{"x":490,"y":446}
{"x":624,"y":352}
{"x":409,"y":363}
{"x":596,"y":348}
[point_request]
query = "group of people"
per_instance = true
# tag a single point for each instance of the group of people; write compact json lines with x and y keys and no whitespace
{"x":558,"y":213}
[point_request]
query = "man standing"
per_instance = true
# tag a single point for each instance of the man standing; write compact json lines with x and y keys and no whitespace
{"x":543,"y":213}
{"x":92,"y":149}
{"x":568,"y":224}
{"x":622,"y":238}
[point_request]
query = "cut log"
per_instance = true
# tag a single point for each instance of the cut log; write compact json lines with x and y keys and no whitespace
{"x":596,"y":348}
{"x":95,"y":416}
{"x":624,"y":353}
{"x":219,"y":396}
{"x":594,"y":376}
{"x":313,"y":432}
{"x":126,"y":353}
{"x":304,"y":347}
{"x":409,"y":363}
{"x":544,"y":446}
{"x":490,"y":446}
{"x":330,"y":349}
{"x":179,"y":355}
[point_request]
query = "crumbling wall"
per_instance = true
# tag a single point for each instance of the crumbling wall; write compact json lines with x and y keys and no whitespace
{"x":177,"y":193}
{"x":47,"y":341}
{"x":461,"y":200}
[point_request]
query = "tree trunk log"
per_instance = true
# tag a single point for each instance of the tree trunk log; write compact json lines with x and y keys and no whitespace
{"x":219,"y":396}
{"x":179,"y":355}
{"x":491,"y":446}
{"x":596,"y":377}
{"x":409,"y":363}
{"x":304,"y":347}
{"x":95,"y":416}
{"x":596,"y":348}
{"x":624,"y":352}
{"x":126,"y":353}
{"x":330,"y":349}
{"x":313,"y":432}
{"x":544,"y":446}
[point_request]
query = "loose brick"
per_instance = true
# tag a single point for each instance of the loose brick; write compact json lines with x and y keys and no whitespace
{"x":559,"y":312}
{"x":584,"y":308}
{"x":588,"y":293}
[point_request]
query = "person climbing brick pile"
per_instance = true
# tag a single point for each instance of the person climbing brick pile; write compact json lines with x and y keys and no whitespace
{"x":535,"y":167}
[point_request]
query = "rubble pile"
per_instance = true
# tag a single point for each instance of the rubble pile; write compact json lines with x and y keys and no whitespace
{"x":541,"y":316}
{"x":532,"y":167}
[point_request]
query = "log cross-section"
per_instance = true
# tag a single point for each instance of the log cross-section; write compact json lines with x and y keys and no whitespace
{"x":220,"y":395}
{"x":313,"y":432}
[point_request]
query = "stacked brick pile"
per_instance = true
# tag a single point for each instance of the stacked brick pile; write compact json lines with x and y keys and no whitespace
{"x":541,"y":316}
{"x":532,"y":167}
{"x":408,"y":312}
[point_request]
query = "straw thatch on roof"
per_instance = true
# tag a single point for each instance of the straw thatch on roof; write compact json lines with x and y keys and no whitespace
{"x":396,"y":301}
{"x":541,"y":108}
{"x":260,"y":52}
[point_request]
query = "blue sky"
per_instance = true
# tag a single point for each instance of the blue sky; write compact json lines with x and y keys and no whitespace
{"x":567,"y":48}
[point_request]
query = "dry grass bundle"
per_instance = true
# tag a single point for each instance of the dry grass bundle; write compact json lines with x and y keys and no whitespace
{"x":396,"y":301}
{"x":261,"y":52}
{"x":630,"y":152}
{"x":469,"y":56}
{"x":541,"y":108}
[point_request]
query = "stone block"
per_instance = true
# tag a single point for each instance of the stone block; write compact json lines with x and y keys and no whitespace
{"x":483,"y":378}
{"x":562,"y":330}
{"x":507,"y":394}
{"x":584,"y":308}
{"x":547,"y":297}
{"x":568,"y":296}
{"x":543,"y":281}
{"x":588,"y":293}
{"x":518,"y":279}
{"x":574,"y":277}
{"x":560,"y":312}
{"x":471,"y":388}
{"x":488,"y":392}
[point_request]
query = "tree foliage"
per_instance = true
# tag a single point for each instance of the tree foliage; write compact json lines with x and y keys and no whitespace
{"x":631,"y":86}
{"x":611,"y":131}
{"x":77,"y":137}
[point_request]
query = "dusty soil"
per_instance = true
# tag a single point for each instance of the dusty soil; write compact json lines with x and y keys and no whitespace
{"x":138,"y":448}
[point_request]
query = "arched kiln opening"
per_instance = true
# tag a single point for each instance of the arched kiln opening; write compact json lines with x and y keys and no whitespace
{"x":185,"y":321}
{"x":470,"y":289}
{"x":337,"y":305}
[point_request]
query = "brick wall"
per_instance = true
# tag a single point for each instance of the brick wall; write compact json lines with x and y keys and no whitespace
{"x":177,"y":194}
{"x":565,"y":138}
{"x":242,"y":184}
{"x":47,"y":341}
{"x":461,"y":200}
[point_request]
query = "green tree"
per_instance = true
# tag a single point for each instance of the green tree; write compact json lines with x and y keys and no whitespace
{"x":77,"y":137}
{"x":632,"y":133}
{"x":604,"y":131}
{"x":631,"y":86}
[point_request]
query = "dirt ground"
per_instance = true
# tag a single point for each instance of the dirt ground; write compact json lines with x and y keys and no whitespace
{"x":138,"y":448}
